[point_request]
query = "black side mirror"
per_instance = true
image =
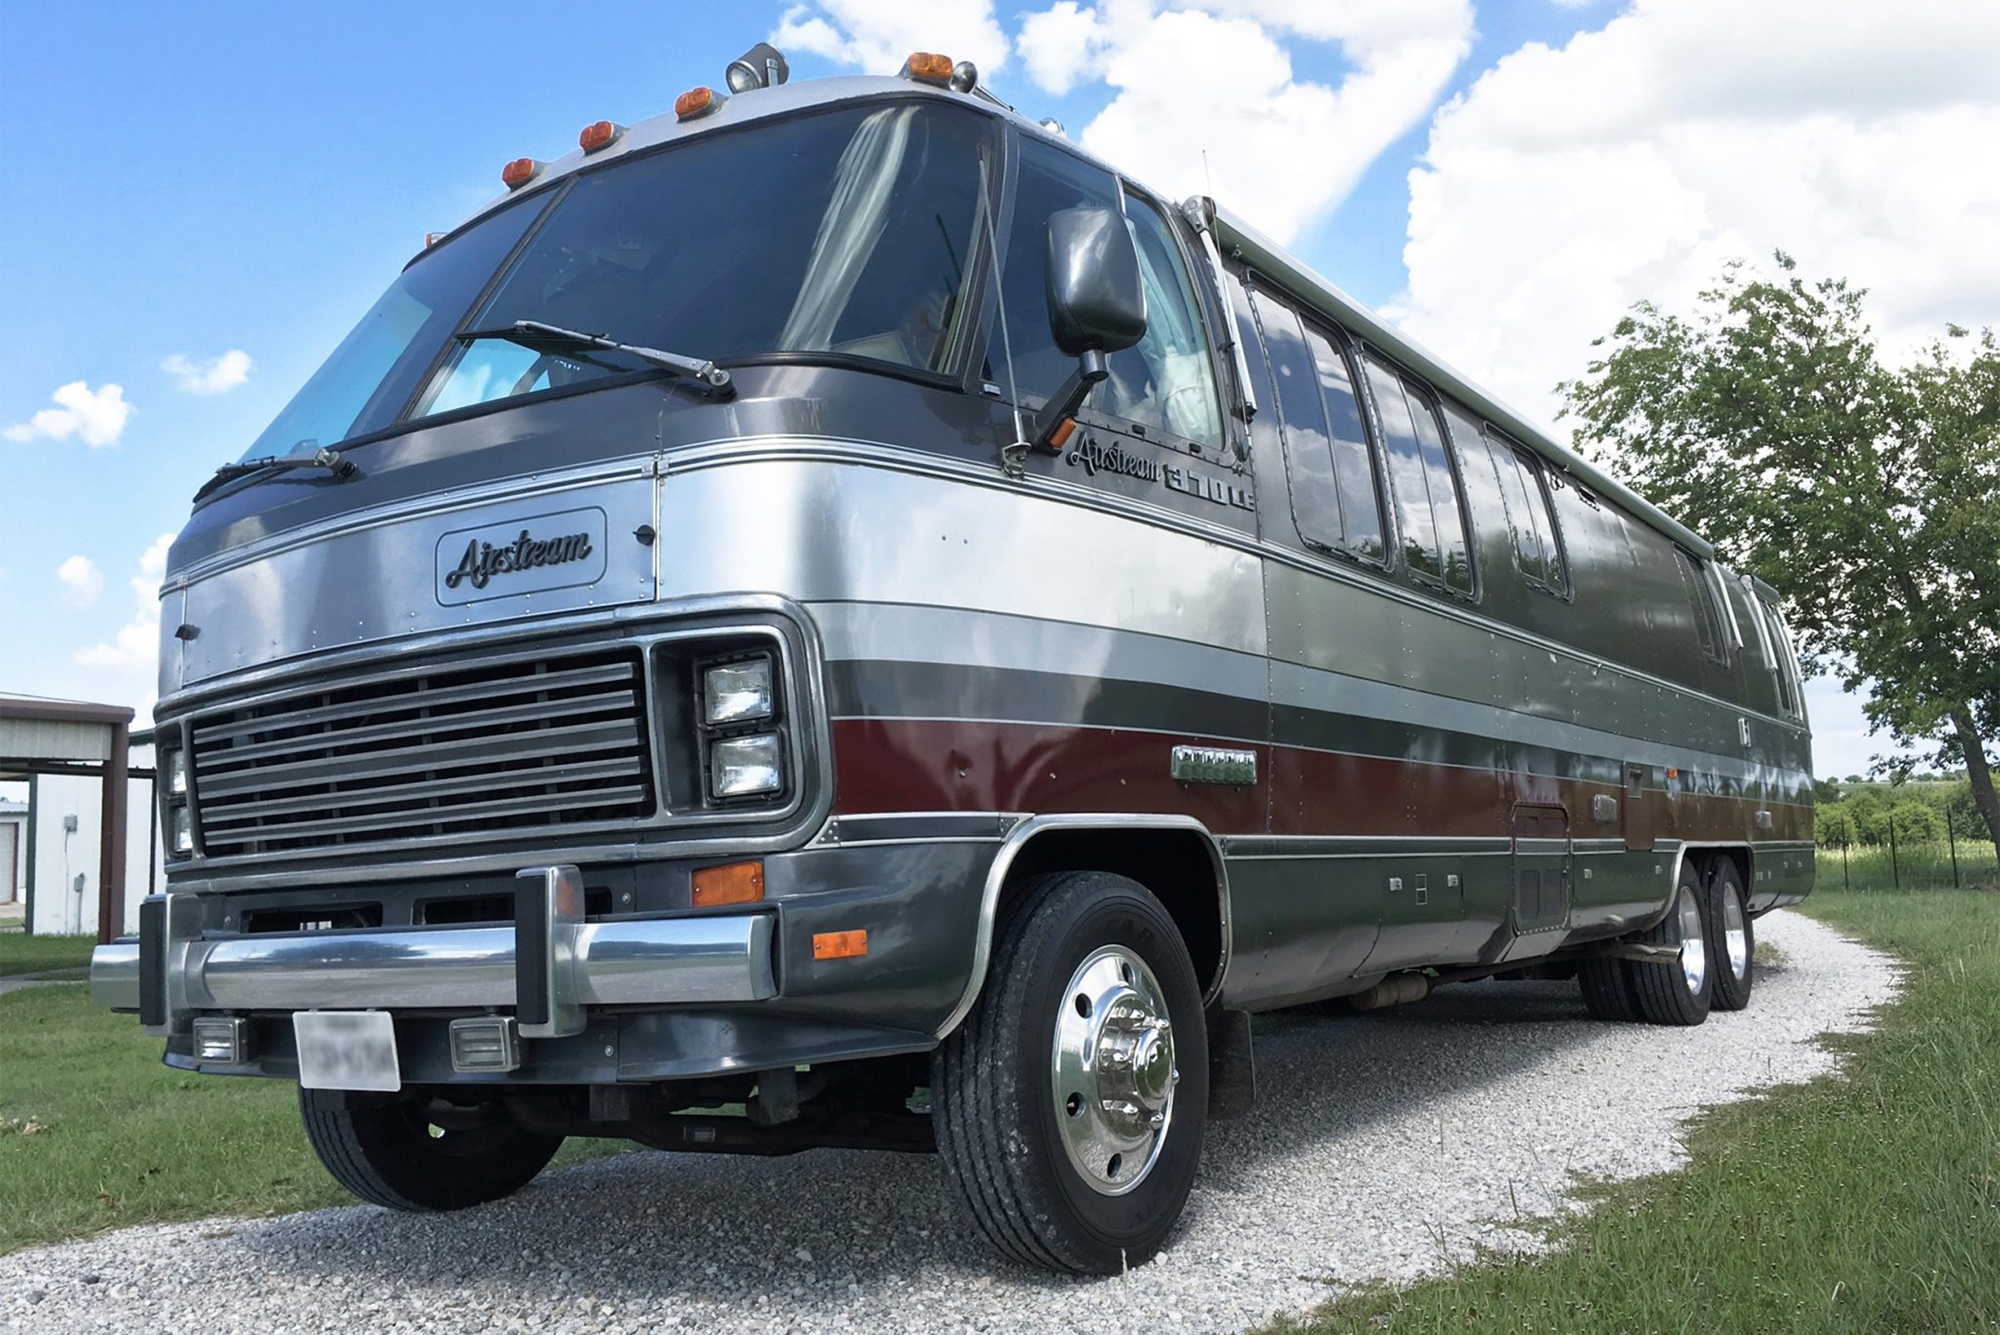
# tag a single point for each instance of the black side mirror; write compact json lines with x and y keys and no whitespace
{"x":1097,"y":304}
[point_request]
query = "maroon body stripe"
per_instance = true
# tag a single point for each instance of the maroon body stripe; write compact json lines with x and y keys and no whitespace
{"x":891,"y":765}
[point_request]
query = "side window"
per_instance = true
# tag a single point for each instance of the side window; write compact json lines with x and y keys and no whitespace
{"x":1707,"y":624}
{"x":1420,"y":478}
{"x":1048,"y":181}
{"x":1536,"y":548}
{"x":1353,"y":463}
{"x":1781,"y":657}
{"x":1166,"y":381}
{"x":1308,"y":454}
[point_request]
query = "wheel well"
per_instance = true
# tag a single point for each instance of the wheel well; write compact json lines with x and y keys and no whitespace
{"x":1178,"y":866}
{"x":1739,"y":856}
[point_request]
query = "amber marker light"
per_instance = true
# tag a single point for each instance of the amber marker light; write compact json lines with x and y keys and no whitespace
{"x":695,"y":102}
{"x":732,"y":883}
{"x":519,"y":172}
{"x":599,"y":134}
{"x":839,"y":945}
{"x":1060,"y":436}
{"x":928,"y":66}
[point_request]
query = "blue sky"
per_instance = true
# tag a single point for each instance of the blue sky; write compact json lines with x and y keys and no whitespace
{"x":190,"y":180}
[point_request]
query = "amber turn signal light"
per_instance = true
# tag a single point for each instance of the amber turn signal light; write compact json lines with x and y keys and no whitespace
{"x":1060,"y":436}
{"x":519,"y":172}
{"x":731,"y":883}
{"x":839,"y":945}
{"x":599,"y":134}
{"x":928,"y":66}
{"x":695,"y":102}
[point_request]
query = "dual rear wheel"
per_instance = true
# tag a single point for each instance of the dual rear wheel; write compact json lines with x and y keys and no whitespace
{"x":1710,"y":932}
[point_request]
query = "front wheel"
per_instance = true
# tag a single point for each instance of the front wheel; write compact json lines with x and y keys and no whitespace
{"x":421,"y":1154}
{"x":1071,"y":1103}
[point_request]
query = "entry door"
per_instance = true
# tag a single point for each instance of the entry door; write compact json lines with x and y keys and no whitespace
{"x":1639,"y":809}
{"x":1541,"y":869}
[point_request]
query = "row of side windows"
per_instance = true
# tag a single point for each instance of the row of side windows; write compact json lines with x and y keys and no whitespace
{"x":1336,"y":475}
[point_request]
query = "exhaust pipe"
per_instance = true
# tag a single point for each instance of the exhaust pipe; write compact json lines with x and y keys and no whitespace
{"x":1395,"y":990}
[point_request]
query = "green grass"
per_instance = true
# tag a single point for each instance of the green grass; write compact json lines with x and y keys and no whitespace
{"x":21,"y":953}
{"x":1879,"y":867}
{"x":95,"y":1133}
{"x":1864,"y":1201}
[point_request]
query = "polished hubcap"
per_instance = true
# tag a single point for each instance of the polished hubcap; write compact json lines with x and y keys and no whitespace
{"x":1735,"y":935}
{"x":1694,"y":947}
{"x":1113,"y":1068}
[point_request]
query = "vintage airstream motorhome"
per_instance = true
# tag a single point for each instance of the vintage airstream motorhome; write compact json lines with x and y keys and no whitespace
{"x":833,"y":618}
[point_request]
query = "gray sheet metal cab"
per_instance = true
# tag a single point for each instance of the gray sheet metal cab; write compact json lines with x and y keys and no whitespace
{"x":838,"y":602}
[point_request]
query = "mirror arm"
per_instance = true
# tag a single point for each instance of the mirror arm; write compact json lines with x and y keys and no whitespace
{"x":1091,"y":368}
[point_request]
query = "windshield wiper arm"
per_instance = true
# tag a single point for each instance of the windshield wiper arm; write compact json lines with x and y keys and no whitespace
{"x":332,"y":460}
{"x":530,"y":333}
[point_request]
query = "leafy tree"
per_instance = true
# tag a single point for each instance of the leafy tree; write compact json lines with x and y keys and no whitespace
{"x":1868,"y":496}
{"x":1915,"y":821}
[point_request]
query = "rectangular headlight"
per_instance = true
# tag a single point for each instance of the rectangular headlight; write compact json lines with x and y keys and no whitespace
{"x":177,"y":773}
{"x":736,"y":693}
{"x":746,"y":766}
{"x":183,"y":831}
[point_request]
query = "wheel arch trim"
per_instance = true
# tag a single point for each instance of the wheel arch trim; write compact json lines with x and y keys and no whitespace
{"x":1031,"y":828}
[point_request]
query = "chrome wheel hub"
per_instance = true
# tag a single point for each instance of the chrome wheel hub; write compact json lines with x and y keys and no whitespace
{"x":1694,"y":946}
{"x":1112,"y":1068}
{"x":1735,"y":935}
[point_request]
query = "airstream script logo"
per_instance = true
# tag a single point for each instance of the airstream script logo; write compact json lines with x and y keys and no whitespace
{"x":482,"y":560}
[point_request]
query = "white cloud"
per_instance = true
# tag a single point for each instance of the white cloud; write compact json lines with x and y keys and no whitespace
{"x":137,"y":644}
{"x":878,"y":35}
{"x":1631,"y":163}
{"x":96,"y":417}
{"x":1205,"y":100}
{"x":217,"y":375}
{"x":82,"y":578}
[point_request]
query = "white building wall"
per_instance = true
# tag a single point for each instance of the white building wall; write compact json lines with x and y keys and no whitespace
{"x":61,"y":856}
{"x":13,"y":856}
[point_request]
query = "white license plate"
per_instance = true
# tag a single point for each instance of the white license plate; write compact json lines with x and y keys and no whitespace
{"x":346,"y":1050}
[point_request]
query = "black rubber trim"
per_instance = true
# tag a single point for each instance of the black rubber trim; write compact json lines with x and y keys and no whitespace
{"x":152,"y":961}
{"x":531,"y":952}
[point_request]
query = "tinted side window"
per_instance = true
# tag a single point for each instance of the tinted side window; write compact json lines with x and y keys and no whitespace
{"x":1048,"y":181}
{"x":1707,"y":626}
{"x":1166,"y":381}
{"x":1420,"y":478}
{"x":1308,"y":456}
{"x":1536,"y":548}
{"x":1353,"y":464}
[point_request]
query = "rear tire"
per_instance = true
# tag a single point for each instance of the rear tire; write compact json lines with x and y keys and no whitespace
{"x":1066,"y":1164}
{"x":396,"y":1153}
{"x":1608,"y":992}
{"x":1732,"y":941}
{"x":1678,"y":991}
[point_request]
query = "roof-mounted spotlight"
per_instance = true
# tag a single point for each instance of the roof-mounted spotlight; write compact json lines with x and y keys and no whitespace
{"x":762,"y":66}
{"x":964,"y":77}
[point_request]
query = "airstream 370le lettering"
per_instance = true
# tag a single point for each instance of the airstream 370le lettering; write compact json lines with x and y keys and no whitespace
{"x":833,"y":618}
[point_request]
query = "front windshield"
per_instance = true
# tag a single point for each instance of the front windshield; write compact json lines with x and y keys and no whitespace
{"x":852,"y":232}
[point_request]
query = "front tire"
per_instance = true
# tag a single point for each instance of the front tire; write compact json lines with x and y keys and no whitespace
{"x":1732,"y":942}
{"x":1070,"y":1105}
{"x":421,"y":1154}
{"x":1678,"y":991}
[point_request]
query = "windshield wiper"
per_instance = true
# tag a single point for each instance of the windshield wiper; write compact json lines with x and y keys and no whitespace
{"x":533,"y":333}
{"x":332,"y":460}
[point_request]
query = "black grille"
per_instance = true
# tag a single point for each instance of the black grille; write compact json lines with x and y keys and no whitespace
{"x":512,"y":746}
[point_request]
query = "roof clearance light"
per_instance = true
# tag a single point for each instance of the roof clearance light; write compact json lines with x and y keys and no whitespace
{"x":601,"y":134}
{"x":519,"y":172}
{"x":762,"y":66}
{"x":696,"y":102}
{"x":928,"y":67}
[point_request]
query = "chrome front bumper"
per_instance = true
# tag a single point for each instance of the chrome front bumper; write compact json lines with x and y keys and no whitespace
{"x":547,"y":966}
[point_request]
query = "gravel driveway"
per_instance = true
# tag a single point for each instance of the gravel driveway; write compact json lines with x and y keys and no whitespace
{"x":1382,"y":1145}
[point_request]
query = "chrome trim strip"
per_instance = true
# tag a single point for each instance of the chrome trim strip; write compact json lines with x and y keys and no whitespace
{"x":1018,"y":838}
{"x":646,"y":961}
{"x":114,"y":976}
